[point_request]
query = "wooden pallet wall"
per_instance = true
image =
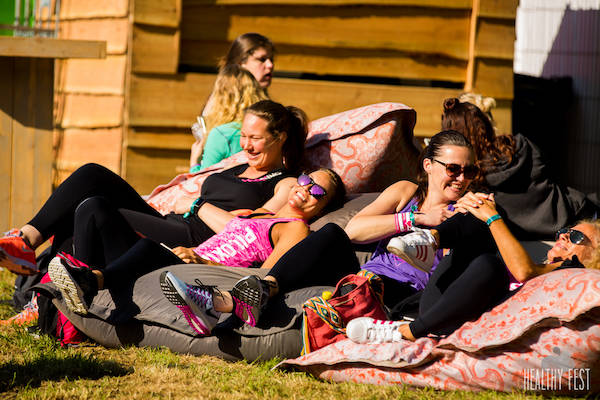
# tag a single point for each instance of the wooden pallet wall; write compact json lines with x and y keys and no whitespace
{"x":90,"y":94}
{"x":466,"y":43}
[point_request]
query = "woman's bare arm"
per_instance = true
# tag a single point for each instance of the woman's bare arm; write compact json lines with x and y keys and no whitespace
{"x":516,"y":258}
{"x":377,"y":221}
{"x":285,"y":236}
{"x":280,"y":195}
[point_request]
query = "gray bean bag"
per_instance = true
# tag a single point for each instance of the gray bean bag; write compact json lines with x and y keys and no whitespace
{"x":140,"y":315}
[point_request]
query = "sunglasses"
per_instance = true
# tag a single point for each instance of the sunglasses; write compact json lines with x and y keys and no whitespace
{"x":316,"y":191}
{"x":575,"y":236}
{"x":454,"y":170}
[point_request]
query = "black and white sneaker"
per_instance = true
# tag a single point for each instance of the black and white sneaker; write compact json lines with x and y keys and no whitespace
{"x":250,"y":296}
{"x":76,"y":282}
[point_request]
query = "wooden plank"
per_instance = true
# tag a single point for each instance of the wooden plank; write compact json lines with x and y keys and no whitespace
{"x":169,"y":138}
{"x":32,"y":137}
{"x":503,"y":116}
{"x":168,"y":101}
{"x":76,"y":147}
{"x":460,"y":4}
{"x":105,"y":76}
{"x":321,"y":98}
{"x":495,"y":38}
{"x":41,"y":47}
{"x":155,"y":49}
{"x":91,"y":111}
{"x":470,"y":75}
{"x":362,"y":62}
{"x":158,"y":12}
{"x":499,"y":8}
{"x":77,"y":9}
{"x":494,"y":78}
{"x":112,"y":30}
{"x":162,"y":102}
{"x":148,"y":168}
{"x":418,"y":30}
{"x":6,"y":134}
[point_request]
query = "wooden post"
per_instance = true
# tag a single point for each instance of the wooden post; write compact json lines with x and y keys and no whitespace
{"x":470,"y":77}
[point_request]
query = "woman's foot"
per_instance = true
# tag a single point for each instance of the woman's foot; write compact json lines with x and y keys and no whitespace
{"x":250,"y":296}
{"x":16,"y":255}
{"x":75,"y":280}
{"x":194,"y":301}
{"x":416,"y":248}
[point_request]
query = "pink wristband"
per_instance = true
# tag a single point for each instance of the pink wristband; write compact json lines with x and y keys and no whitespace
{"x":404,"y":221}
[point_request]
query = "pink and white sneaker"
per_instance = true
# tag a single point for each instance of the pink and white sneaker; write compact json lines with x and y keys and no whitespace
{"x":369,"y":330}
{"x":416,"y":248}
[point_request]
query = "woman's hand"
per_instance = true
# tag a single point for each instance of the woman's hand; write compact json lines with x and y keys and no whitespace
{"x":483,"y":209}
{"x":473,"y":200}
{"x":196,"y":152}
{"x":433,"y":216}
{"x":187,"y":255}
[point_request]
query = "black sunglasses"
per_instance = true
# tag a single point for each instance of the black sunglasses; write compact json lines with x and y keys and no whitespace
{"x":575,"y":236}
{"x":454,"y":170}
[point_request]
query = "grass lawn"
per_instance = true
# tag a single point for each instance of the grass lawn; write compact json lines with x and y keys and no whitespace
{"x":38,"y":368}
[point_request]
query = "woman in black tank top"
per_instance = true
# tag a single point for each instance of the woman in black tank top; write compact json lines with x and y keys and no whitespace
{"x":93,"y":200}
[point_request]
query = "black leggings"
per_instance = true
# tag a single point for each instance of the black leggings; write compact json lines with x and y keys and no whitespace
{"x":466,"y":283}
{"x":322,"y":258}
{"x":103,"y":239}
{"x":57,"y":215}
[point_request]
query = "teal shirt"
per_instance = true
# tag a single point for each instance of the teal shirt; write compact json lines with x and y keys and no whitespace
{"x":223,"y":141}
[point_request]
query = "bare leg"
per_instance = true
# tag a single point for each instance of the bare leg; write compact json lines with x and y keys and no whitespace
{"x":32,"y":236}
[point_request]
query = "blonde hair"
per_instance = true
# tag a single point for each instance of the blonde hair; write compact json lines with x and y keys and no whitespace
{"x":485,"y":104}
{"x":235,"y":90}
{"x":593,"y":261}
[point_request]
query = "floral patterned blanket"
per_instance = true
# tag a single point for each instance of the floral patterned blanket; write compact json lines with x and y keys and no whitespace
{"x":545,"y":339}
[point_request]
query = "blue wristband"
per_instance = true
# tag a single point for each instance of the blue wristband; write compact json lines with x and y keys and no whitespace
{"x":492,"y":219}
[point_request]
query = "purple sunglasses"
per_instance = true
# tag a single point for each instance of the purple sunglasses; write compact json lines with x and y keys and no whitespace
{"x":316,"y":191}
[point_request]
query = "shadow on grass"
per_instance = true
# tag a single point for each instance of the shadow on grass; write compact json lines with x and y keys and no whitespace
{"x":33,"y":373}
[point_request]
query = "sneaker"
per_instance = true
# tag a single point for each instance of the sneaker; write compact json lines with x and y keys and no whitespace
{"x":250,"y":296}
{"x":75,"y":280}
{"x":29,"y":314}
{"x":369,"y":330}
{"x":416,"y":248}
{"x":194,"y":301}
{"x":16,"y":255}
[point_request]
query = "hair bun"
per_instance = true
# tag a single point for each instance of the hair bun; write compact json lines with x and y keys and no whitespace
{"x":450,"y":103}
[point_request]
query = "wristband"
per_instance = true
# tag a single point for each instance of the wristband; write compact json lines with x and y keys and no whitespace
{"x":199,"y":202}
{"x":404,"y":221}
{"x":492,"y":219}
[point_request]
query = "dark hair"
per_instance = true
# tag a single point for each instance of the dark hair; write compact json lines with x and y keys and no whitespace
{"x":337,"y":200}
{"x":243,"y":47}
{"x":469,"y":120}
{"x":291,"y":120}
{"x":434,"y":149}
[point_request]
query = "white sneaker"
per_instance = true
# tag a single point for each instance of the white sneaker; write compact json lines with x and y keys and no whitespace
{"x":369,"y":330}
{"x":416,"y":248}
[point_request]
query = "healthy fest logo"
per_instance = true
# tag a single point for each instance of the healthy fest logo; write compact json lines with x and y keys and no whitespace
{"x":556,"y":374}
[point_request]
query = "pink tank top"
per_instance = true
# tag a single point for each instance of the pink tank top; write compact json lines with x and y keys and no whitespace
{"x":245,"y":242}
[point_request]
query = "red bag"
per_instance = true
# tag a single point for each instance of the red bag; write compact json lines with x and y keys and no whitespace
{"x":324,"y":320}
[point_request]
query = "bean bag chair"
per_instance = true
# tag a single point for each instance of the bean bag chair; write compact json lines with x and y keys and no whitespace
{"x":140,"y":315}
{"x":544,"y":339}
{"x":370,"y":148}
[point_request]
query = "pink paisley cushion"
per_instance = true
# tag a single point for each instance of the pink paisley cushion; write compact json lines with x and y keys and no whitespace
{"x":369,"y":147}
{"x":548,"y":299}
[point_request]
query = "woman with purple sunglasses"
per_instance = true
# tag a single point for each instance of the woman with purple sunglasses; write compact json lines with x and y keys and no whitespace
{"x":255,"y":240}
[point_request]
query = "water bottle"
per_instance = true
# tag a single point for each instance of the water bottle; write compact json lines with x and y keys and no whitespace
{"x":199,"y":128}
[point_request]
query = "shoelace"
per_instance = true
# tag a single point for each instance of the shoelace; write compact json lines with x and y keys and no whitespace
{"x":381,"y":333}
{"x":200,"y":294}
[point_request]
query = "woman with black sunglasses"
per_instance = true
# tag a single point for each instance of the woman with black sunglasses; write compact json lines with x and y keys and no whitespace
{"x":256,"y":240}
{"x":473,"y":278}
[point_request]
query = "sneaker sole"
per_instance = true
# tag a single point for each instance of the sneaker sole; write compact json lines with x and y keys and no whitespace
{"x":17,"y":265}
{"x":400,"y":253}
{"x":70,"y":290}
{"x":246,"y":293}
{"x":177,"y":298}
